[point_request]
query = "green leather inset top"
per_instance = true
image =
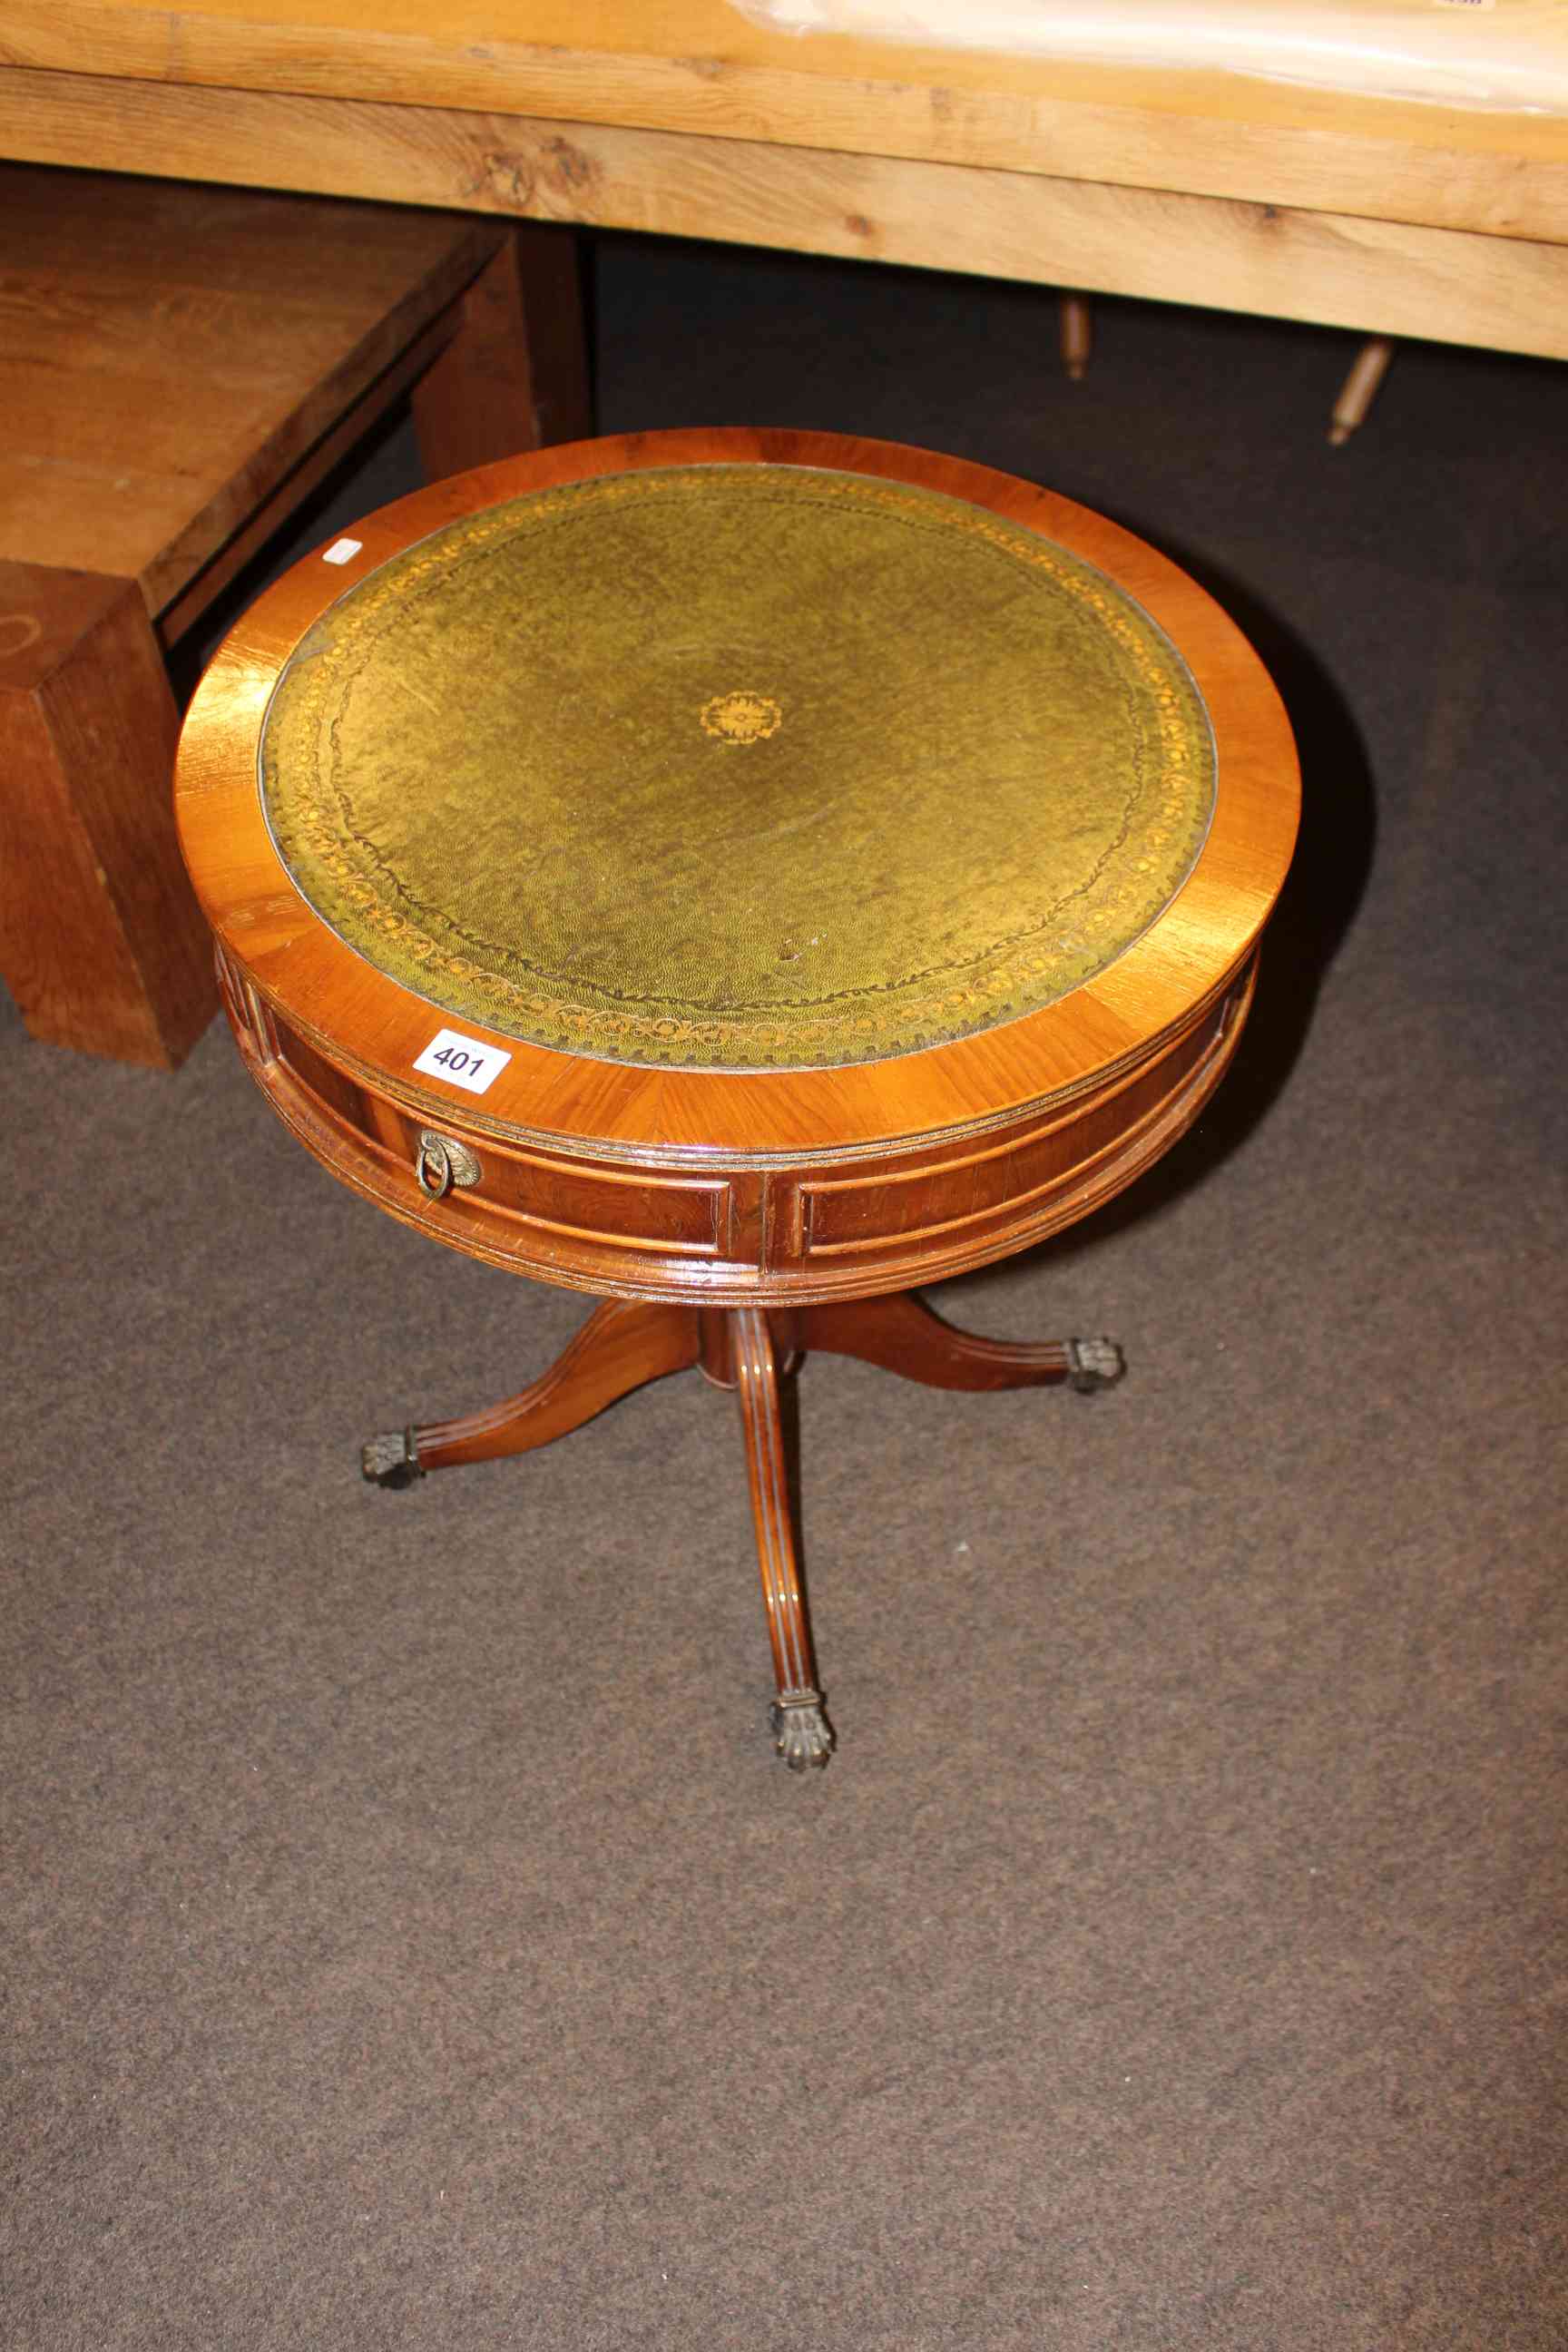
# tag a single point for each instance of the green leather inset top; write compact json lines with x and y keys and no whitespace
{"x":736,"y":767}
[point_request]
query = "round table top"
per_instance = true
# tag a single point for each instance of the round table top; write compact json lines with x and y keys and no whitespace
{"x":742,"y":792}
{"x":736,"y":767}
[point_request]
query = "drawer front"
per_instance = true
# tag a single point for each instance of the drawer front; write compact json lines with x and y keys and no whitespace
{"x":946,"y":1203}
{"x":561,"y":1197}
{"x":542,"y":1209}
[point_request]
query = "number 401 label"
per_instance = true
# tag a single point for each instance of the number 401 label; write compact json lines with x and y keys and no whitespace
{"x":463,"y":1061}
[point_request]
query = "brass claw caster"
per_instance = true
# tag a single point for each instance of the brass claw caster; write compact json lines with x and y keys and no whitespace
{"x":391,"y":1461}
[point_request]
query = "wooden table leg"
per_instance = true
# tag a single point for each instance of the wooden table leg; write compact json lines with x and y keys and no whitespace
{"x":623,"y":1344}
{"x":102,"y":942}
{"x":800,"y":1727}
{"x":1360,"y":389}
{"x":902,"y":1334}
{"x":1076,"y":323}
{"x":515,"y":375}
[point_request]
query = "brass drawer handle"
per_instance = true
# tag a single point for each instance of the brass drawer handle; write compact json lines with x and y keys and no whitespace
{"x":441,"y":1163}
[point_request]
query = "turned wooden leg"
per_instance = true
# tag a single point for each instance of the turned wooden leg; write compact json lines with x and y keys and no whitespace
{"x":1075,"y":321}
{"x":1360,"y":389}
{"x":101,"y":941}
{"x":623,"y":1344}
{"x":800,"y":1727}
{"x":515,"y":375}
{"x":902,"y":1334}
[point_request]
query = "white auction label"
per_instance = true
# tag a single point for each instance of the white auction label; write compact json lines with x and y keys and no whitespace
{"x":343,"y":550}
{"x":463,"y":1061}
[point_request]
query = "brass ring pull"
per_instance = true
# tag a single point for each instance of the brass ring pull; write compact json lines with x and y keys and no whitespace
{"x":441,"y":1163}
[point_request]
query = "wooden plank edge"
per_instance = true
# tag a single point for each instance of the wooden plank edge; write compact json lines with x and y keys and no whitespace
{"x":1494,"y":172}
{"x":1331,"y":269}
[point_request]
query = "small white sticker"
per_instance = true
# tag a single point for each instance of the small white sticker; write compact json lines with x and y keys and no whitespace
{"x":462,"y":1061}
{"x":343,"y":550}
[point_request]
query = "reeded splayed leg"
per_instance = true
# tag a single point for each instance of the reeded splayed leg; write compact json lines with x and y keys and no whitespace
{"x":623,"y":1344}
{"x":902,"y":1334}
{"x":800,"y":1727}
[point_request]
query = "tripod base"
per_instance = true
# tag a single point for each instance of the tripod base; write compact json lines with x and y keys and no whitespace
{"x":625,"y":1343}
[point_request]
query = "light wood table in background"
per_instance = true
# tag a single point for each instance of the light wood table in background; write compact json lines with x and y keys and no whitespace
{"x":1397,"y":217}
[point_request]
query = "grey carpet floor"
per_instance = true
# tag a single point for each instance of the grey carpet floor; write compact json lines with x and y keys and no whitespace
{"x":411,"y":1940}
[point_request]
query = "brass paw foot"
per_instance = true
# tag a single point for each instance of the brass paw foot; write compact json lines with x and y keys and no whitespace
{"x":391,"y":1460}
{"x":801,"y":1731}
{"x":1094,"y":1364}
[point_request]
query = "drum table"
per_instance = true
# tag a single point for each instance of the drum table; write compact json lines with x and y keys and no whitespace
{"x":745,"y":876}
